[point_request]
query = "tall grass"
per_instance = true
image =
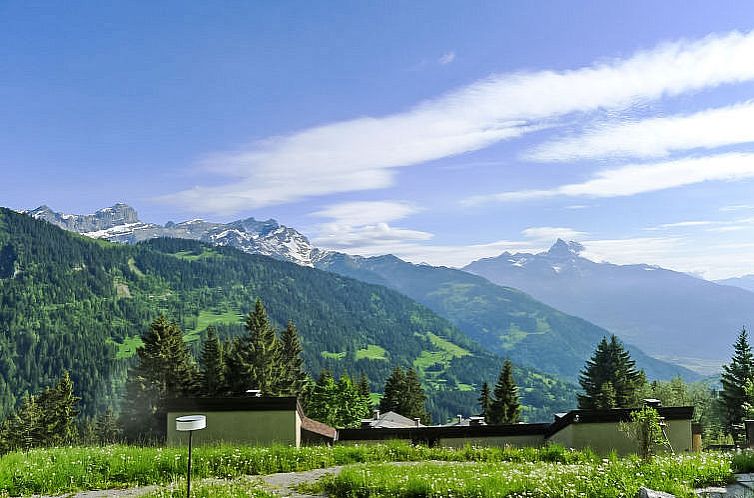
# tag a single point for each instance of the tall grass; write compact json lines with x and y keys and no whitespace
{"x":610,"y":478}
{"x":61,"y":470}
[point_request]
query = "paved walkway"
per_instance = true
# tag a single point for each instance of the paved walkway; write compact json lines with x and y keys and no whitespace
{"x":282,"y":484}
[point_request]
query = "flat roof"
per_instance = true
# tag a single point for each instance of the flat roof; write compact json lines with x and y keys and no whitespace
{"x":236,"y":403}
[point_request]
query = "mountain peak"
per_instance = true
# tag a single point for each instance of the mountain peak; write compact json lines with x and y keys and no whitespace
{"x":563,"y":249}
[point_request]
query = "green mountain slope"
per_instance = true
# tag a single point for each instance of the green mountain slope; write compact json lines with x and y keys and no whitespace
{"x":504,"y":320}
{"x":67,"y":302}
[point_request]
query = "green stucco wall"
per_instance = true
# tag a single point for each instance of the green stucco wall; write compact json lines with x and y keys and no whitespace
{"x":241,"y":427}
{"x":605,"y":437}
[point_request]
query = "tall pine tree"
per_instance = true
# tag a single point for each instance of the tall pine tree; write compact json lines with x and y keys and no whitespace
{"x":505,"y":407}
{"x":610,"y":378}
{"x":212,"y":374}
{"x":395,"y":386}
{"x":735,"y":378}
{"x":254,"y":360}
{"x":293,"y":378}
{"x":485,"y":402}
{"x":404,"y":394}
{"x":165,"y":370}
{"x":58,"y":405}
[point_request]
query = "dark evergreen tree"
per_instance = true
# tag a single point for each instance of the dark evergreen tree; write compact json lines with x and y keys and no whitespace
{"x":735,"y":377}
{"x":404,"y":394}
{"x":293,"y":376}
{"x":363,"y":386}
{"x":505,"y":407}
{"x":485,"y":402}
{"x":395,"y":387}
{"x":414,"y":398}
{"x":254,"y":361}
{"x":612,"y":364}
{"x":58,"y":406}
{"x":25,"y":429}
{"x":212,"y":375}
{"x":165,"y":370}
{"x":321,"y":403}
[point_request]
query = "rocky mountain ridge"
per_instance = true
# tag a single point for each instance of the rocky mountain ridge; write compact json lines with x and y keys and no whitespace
{"x":120,"y":223}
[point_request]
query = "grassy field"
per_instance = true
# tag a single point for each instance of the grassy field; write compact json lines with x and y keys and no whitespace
{"x":371,"y":352}
{"x":469,"y":471}
{"x":611,"y":478}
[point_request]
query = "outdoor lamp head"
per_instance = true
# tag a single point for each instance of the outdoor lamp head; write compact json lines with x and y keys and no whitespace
{"x":190,"y":423}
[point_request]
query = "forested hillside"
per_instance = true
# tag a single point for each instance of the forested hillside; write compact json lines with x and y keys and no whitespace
{"x":67,"y":302}
{"x":506,"y":321}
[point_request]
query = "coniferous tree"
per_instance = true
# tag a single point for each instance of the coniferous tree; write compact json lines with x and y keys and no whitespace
{"x":735,"y":378}
{"x":485,"y":402}
{"x":414,"y":398}
{"x":404,"y":395}
{"x":165,"y":370}
{"x":395,"y":387}
{"x":363,"y":386}
{"x":505,"y":407}
{"x":58,"y":408}
{"x":212,"y":374}
{"x":254,"y":361}
{"x":25,"y":429}
{"x":293,"y":376}
{"x":612,"y":364}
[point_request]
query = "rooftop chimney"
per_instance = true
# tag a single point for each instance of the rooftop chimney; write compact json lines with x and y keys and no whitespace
{"x":460,"y":419}
{"x":376,"y":414}
{"x":418,"y":421}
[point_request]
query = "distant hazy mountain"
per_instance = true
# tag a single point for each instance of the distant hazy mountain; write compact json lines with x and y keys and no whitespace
{"x":120,"y":223}
{"x":505,"y":320}
{"x":745,"y":282}
{"x":666,"y":313}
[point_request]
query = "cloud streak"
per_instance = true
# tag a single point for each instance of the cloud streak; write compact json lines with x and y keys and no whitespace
{"x":365,"y":223}
{"x":655,"y":137}
{"x":637,"y":179}
{"x":362,"y":153}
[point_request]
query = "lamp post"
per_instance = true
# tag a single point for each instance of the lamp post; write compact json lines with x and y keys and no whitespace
{"x":190,"y":423}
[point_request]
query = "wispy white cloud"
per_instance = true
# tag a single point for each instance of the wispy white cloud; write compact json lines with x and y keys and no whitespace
{"x":737,"y":207}
{"x":684,"y":224}
{"x":367,"y":212}
{"x":637,"y":179}
{"x":362,"y":153}
{"x":365,"y":223}
{"x":550,"y":234}
{"x":447,"y":58}
{"x":655,"y":137}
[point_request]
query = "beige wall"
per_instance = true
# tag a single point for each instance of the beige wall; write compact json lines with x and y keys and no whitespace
{"x":605,"y":437}
{"x":500,"y":441}
{"x":241,"y":427}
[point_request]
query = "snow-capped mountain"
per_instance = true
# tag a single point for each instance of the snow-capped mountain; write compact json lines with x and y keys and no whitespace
{"x":120,"y":223}
{"x":666,"y":313}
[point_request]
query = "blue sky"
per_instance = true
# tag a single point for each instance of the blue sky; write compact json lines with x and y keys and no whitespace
{"x":438,"y":131}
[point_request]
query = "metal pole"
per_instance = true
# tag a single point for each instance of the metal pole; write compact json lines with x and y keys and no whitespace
{"x":188,"y":478}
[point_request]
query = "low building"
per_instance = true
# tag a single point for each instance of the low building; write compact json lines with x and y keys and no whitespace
{"x":578,"y":429}
{"x":251,"y":420}
{"x":389,"y":420}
